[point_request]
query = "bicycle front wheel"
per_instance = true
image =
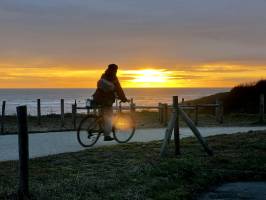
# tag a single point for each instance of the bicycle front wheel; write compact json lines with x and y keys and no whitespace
{"x":123,"y":127}
{"x":89,"y":131}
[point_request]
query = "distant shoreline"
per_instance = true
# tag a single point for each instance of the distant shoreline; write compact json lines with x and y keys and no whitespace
{"x":124,"y":88}
{"x":50,"y":98}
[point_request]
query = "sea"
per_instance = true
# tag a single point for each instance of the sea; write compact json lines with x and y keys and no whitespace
{"x":50,"y":98}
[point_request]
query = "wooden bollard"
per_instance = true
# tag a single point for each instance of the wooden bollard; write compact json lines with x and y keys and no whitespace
{"x":62,"y":112}
{"x":168,"y":134}
{"x":39,"y":111}
{"x":3,"y":117}
{"x":160,"y":112}
{"x":116,"y":105}
{"x":74,"y":112}
{"x":221,"y":113}
{"x":176,"y":126}
{"x":196,"y":132}
{"x":217,"y":110}
{"x":165,"y":114}
{"x":23,"y":143}
{"x":132,"y":106}
{"x":196,"y":115}
{"x":262,"y":107}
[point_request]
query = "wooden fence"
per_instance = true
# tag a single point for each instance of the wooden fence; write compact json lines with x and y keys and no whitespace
{"x":163,"y":111}
{"x":3,"y":117}
{"x":165,"y":108}
{"x":23,"y":147}
{"x":173,"y":125}
{"x":23,"y":140}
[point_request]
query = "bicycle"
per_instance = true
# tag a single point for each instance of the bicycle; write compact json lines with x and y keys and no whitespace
{"x":91,"y":126}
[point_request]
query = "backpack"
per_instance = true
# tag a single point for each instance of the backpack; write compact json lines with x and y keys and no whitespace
{"x":105,"y":85}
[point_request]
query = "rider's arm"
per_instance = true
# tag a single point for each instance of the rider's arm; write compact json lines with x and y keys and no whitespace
{"x":120,"y":93}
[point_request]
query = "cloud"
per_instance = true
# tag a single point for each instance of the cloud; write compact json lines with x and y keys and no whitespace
{"x":186,"y":35}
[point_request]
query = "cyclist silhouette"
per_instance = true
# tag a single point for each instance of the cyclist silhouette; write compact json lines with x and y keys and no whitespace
{"x":108,"y":89}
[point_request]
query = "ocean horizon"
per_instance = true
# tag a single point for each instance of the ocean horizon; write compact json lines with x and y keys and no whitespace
{"x":50,"y":97}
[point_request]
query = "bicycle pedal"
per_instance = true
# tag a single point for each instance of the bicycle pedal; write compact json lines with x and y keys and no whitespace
{"x":101,"y":131}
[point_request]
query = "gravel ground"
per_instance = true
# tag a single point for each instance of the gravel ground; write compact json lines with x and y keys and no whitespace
{"x":43,"y":144}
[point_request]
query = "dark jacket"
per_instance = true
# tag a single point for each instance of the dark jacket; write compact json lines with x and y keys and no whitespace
{"x":107,"y":98}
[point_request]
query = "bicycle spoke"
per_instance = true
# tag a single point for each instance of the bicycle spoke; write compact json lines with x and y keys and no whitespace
{"x":124,"y":128}
{"x":88,"y":132}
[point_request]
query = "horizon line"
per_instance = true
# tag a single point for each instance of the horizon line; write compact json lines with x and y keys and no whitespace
{"x":123,"y":88}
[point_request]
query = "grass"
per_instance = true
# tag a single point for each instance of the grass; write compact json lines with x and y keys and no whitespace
{"x":244,"y":98}
{"x":134,"y":171}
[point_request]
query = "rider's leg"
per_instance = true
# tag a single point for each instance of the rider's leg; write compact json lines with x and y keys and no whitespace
{"x":107,"y":117}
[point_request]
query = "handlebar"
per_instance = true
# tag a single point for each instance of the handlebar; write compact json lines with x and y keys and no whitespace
{"x":128,"y":101}
{"x":120,"y":104}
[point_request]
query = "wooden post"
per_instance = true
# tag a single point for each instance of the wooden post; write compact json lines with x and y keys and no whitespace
{"x":196,"y":115}
{"x":176,"y":126}
{"x":132,"y":106}
{"x":217,"y":110}
{"x":221,"y":112}
{"x":39,"y":111}
{"x":168,"y":134}
{"x":116,"y":106}
{"x":62,"y":112}
{"x":74,"y":112}
{"x":23,"y":152}
{"x":3,"y":117}
{"x":261,"y":120}
{"x":196,"y":132}
{"x":159,"y":112}
{"x":165,"y":114}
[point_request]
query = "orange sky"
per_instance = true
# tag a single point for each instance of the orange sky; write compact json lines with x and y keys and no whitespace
{"x":190,"y":43}
{"x":201,"y":76}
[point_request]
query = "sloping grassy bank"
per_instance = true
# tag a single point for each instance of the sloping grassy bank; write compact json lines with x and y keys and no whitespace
{"x":243,"y":98}
{"x":134,"y":171}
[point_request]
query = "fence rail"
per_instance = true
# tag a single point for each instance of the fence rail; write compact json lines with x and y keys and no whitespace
{"x":3,"y":117}
{"x":163,"y":111}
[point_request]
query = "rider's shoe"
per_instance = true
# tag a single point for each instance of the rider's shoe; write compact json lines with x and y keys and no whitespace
{"x":108,"y":138}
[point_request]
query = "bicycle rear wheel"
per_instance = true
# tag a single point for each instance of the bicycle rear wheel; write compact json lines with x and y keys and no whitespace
{"x":123,"y":127}
{"x":89,"y":131}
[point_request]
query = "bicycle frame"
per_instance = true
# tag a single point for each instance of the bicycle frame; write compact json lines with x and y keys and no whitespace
{"x":98,"y":115}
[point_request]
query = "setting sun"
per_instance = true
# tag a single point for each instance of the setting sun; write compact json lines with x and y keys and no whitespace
{"x":150,"y":78}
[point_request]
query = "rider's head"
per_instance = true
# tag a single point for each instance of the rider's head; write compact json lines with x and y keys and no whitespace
{"x":110,"y":72}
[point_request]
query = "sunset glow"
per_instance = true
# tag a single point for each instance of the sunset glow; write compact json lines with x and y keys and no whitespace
{"x":68,"y":44}
{"x":150,"y":78}
{"x":222,"y":75}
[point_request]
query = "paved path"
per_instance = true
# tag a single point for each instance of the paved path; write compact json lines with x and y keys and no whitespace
{"x":238,"y":191}
{"x":43,"y":144}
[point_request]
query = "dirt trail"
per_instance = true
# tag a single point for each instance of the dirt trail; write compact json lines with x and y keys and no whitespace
{"x":43,"y":144}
